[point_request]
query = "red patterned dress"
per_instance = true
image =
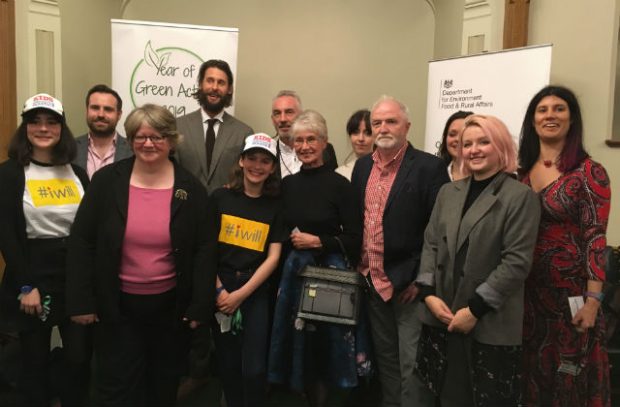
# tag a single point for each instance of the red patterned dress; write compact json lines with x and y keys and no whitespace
{"x":563,"y":367}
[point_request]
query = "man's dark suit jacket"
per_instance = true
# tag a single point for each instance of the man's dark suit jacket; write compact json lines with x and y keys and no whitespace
{"x":123,"y":150}
{"x":407,"y":211}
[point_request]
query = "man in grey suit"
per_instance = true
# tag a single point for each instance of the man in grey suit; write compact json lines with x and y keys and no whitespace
{"x":211,"y":146}
{"x":212,"y":138}
{"x":102,"y":145}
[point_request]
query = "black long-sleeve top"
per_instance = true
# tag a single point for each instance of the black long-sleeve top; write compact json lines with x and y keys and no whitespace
{"x":322,"y":202}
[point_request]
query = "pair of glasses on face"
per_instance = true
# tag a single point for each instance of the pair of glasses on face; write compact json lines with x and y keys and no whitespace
{"x":158,"y":139}
{"x":311,"y":141}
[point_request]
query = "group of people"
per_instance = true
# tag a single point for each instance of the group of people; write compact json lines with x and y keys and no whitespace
{"x":145,"y":250}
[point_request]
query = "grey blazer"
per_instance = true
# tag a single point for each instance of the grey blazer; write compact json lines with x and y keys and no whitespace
{"x":191,"y":152}
{"x":123,"y":150}
{"x":501,"y":228}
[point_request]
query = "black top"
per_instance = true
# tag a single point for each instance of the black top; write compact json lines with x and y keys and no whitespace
{"x":243,"y":228}
{"x":475,"y":189}
{"x":95,"y":245}
{"x":322,"y":202}
{"x":477,"y":305}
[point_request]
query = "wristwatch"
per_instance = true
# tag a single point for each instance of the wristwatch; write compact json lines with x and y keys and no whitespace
{"x":25,"y":289}
{"x":597,"y":296}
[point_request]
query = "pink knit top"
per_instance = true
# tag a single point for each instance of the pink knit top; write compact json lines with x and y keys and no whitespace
{"x":147,"y":263}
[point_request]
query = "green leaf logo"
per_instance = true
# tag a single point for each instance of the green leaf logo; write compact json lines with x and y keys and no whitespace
{"x":150,"y":56}
{"x":166,"y":76}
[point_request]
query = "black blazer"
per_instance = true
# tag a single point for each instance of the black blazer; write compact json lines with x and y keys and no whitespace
{"x":13,"y":238}
{"x":407,"y":211}
{"x":96,"y":241}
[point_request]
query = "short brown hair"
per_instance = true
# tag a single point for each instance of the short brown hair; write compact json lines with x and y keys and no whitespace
{"x":158,"y":117}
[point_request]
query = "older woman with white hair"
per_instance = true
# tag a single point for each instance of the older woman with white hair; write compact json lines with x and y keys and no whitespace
{"x":319,"y":208}
{"x":137,"y":265}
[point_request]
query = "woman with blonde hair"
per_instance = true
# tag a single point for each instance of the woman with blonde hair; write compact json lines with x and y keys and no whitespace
{"x":477,"y":253}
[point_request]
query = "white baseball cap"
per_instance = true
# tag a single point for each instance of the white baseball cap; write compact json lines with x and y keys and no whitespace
{"x":43,"y":101}
{"x":261,"y":141}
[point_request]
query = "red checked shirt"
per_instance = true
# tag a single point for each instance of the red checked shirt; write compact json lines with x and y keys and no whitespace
{"x":378,"y":189}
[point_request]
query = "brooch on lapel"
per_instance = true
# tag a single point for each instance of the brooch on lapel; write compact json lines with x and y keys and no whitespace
{"x":181,"y":194}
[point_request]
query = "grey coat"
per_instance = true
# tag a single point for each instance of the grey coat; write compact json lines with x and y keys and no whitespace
{"x":501,"y":228}
{"x":191,"y":152}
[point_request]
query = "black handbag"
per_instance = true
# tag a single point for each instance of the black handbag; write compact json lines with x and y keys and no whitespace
{"x":330,"y":294}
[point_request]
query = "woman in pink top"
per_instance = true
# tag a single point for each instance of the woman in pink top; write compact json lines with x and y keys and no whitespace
{"x":136,"y":258}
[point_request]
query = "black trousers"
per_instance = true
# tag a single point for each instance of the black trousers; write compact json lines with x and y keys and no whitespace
{"x":73,"y":367}
{"x":241,"y":358}
{"x":139,"y":357}
{"x":47,"y":264}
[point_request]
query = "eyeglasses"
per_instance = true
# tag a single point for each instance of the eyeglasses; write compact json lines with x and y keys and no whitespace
{"x":154,"y":139}
{"x":311,"y":141}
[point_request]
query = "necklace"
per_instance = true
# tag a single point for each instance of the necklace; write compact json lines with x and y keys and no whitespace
{"x":547,"y":163}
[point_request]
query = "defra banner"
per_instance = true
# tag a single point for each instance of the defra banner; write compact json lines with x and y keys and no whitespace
{"x":500,"y":84}
{"x":155,"y":62}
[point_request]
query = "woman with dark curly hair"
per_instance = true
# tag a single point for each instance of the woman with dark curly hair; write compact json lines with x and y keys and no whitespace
{"x":565,"y":359}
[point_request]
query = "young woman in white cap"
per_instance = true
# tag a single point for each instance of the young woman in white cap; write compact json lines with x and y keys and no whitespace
{"x":246,"y":233}
{"x":41,"y":192}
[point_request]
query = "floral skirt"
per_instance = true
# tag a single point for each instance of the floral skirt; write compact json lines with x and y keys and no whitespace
{"x":561,"y":366}
{"x":493,"y":371}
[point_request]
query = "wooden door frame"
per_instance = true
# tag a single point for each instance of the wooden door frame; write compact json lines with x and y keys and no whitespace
{"x":516,"y":14}
{"x":8,"y":86}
